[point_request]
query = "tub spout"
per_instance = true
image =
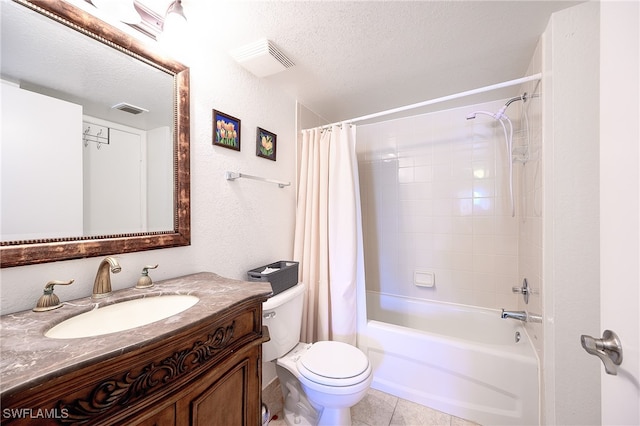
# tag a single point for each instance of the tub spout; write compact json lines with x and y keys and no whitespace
{"x":519,"y":315}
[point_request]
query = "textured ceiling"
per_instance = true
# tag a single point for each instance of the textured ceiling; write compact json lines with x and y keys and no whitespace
{"x":359,"y":57}
{"x":355,"y":58}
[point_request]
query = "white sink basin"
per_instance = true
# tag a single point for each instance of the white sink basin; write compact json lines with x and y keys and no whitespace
{"x":122,"y":316}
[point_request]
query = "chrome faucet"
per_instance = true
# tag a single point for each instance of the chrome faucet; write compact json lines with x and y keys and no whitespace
{"x":519,"y":315}
{"x":102,"y":284}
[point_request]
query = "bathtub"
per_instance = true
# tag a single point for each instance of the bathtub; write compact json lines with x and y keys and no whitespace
{"x":458,"y":359}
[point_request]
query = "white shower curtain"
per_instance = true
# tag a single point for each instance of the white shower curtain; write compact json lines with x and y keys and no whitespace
{"x":326,"y":236}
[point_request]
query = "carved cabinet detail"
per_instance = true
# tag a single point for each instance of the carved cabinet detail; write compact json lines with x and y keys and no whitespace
{"x":208,"y":374}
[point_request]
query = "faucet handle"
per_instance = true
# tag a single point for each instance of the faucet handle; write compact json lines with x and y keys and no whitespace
{"x":145,"y":280}
{"x":524,"y":290}
{"x":49,"y":301}
{"x":145,"y":270}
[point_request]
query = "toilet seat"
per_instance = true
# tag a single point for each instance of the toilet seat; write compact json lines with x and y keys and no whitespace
{"x":334,"y":364}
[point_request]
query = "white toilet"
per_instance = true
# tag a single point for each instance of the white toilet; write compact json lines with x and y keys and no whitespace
{"x":320,"y":381}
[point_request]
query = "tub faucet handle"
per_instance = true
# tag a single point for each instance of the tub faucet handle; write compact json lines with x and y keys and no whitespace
{"x":524,"y":290}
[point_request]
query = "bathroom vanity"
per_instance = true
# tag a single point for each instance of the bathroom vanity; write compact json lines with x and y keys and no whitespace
{"x":198,"y":367}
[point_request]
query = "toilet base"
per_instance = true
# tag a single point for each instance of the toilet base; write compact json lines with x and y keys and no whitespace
{"x":335,"y":416}
{"x":329,"y":417}
{"x":292,"y":419}
{"x":297,"y":410}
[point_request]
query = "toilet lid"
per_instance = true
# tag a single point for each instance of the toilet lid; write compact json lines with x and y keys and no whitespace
{"x":334,"y":363}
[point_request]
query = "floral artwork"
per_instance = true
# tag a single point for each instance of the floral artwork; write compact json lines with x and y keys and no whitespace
{"x":266,"y":144}
{"x":226,"y":130}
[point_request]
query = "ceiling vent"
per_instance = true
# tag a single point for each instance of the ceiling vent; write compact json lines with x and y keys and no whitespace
{"x":262,"y":58}
{"x":131,"y":109}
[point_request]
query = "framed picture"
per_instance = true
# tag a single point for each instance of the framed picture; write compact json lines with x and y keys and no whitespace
{"x":266,"y":144}
{"x":226,"y":130}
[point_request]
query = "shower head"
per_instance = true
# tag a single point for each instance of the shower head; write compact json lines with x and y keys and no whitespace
{"x":522,"y":98}
{"x":501,"y":117}
{"x":501,"y":113}
{"x":473,"y":114}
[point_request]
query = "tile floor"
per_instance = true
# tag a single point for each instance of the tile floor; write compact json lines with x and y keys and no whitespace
{"x":381,"y":409}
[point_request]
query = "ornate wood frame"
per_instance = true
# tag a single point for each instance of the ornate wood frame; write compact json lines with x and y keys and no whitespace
{"x":17,"y":253}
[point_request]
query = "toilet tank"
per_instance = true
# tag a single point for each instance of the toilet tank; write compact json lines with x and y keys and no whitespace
{"x":282,"y":313}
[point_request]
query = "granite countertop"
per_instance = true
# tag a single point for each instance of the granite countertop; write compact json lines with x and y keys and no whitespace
{"x":27,"y":357}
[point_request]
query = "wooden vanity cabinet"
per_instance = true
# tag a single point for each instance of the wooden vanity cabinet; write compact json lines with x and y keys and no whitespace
{"x":228,"y":389}
{"x":206,"y":374}
{"x":225,"y":396}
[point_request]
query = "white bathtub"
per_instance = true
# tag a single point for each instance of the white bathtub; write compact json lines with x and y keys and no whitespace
{"x":458,"y":359}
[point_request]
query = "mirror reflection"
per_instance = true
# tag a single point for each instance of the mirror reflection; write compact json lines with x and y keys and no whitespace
{"x":87,"y":135}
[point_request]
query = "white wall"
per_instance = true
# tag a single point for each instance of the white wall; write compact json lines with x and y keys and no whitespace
{"x":40,"y":199}
{"x":305,"y":119}
{"x":114,"y":193}
{"x":129,"y":181}
{"x":570,"y":214}
{"x":159,"y":179}
{"x":236,"y":226}
{"x":620,"y":205}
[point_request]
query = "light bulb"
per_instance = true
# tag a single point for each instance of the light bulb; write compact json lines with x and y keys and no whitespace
{"x":174,"y":30}
{"x":175,"y":21}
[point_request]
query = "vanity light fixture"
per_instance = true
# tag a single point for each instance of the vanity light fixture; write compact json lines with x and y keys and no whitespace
{"x":174,"y":26}
{"x":123,"y":10}
{"x":145,"y":17}
{"x":175,"y":16}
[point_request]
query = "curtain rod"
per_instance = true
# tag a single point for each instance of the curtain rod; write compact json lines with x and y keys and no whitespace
{"x":496,"y":86}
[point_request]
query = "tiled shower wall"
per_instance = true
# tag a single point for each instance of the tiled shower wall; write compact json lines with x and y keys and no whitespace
{"x":530,"y":196}
{"x":435,"y":198}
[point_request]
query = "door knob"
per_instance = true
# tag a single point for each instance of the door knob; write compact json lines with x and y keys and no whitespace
{"x":608,"y":349}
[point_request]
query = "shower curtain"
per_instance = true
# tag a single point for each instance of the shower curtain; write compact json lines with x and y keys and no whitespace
{"x":326,"y":234}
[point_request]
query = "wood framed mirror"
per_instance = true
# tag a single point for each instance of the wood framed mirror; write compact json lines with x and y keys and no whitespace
{"x":176,"y":231}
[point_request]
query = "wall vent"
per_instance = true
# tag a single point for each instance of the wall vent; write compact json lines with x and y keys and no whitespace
{"x":131,"y":109}
{"x":262,"y":58}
